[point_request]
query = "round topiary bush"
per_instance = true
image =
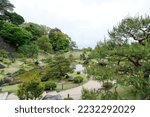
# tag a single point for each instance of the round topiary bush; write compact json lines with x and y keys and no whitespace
{"x":44,"y":78}
{"x":50,"y":85}
{"x":78,"y":79}
{"x":107,"y":85}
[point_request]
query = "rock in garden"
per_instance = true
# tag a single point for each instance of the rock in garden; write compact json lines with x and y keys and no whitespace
{"x":2,"y":66}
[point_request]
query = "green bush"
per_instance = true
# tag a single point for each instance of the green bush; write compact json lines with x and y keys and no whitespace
{"x":44,"y":78}
{"x":89,"y":94}
{"x":69,"y":98}
{"x":78,"y":79}
{"x":1,"y":82}
{"x":78,"y":72}
{"x":107,"y":85}
{"x":14,"y":34}
{"x":50,"y":85}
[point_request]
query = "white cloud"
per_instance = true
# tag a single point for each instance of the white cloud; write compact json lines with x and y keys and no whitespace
{"x":86,"y":21}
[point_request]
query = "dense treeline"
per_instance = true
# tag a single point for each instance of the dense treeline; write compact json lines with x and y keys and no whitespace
{"x":20,"y":34}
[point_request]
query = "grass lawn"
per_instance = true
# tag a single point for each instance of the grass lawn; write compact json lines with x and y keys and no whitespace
{"x":76,"y":54}
{"x":71,"y":84}
{"x":12,"y":88}
{"x":1,"y":76}
{"x":35,"y":73}
{"x":67,"y":85}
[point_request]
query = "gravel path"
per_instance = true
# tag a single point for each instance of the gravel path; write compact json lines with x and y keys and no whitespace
{"x":75,"y":93}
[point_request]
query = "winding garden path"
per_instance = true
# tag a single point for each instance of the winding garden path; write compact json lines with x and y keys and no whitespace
{"x":75,"y":93}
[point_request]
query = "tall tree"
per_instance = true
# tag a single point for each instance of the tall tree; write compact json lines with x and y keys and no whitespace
{"x":14,"y":34}
{"x":60,"y":41}
{"x":14,"y":18}
{"x":132,"y":28}
{"x":5,"y":6}
{"x":58,"y":67}
{"x":35,"y":29}
{"x":44,"y":44}
{"x":129,"y":60}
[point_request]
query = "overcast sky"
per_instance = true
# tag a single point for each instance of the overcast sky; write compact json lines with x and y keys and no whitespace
{"x":85,"y":21}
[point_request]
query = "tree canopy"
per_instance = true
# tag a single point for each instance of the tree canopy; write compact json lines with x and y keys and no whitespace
{"x":127,"y":55}
{"x":44,"y":44}
{"x":60,"y":41}
{"x":14,"y":34}
{"x":58,"y":67}
{"x":30,"y":90}
{"x":35,"y":29}
{"x":5,"y":5}
{"x":132,"y":28}
{"x":29,"y":51}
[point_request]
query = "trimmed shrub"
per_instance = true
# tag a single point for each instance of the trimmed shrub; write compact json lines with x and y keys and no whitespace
{"x":107,"y":85}
{"x":50,"y":85}
{"x":78,"y":72}
{"x":78,"y":79}
{"x":44,"y":78}
{"x":1,"y":82}
{"x":89,"y":94}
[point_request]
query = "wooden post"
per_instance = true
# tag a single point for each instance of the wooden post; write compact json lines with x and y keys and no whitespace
{"x":62,"y":86}
{"x":68,"y":95}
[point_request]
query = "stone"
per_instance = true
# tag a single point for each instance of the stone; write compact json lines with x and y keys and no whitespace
{"x":8,"y":79}
{"x":9,"y":74}
{"x":102,"y":63}
{"x":52,"y":97}
{"x":2,"y":66}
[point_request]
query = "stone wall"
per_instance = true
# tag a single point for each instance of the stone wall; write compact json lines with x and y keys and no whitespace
{"x":6,"y":46}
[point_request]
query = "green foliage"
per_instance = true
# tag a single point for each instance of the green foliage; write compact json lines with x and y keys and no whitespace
{"x":3,"y":54}
{"x":60,"y":41}
{"x":58,"y":67}
{"x":89,"y":94}
{"x":82,"y":57}
{"x":20,"y":71}
{"x":5,"y":5}
{"x":85,"y":50}
{"x":107,"y":85}
{"x":44,"y":44}
{"x":45,"y":78}
{"x":102,"y":73}
{"x":78,"y":79}
{"x":14,"y":18}
{"x":35,"y":29}
{"x":30,"y":90}
{"x":2,"y":82}
{"x":50,"y":85}
{"x":135,"y":28}
{"x":124,"y":57}
{"x":108,"y":95}
{"x":15,"y":35}
{"x":30,"y":50}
